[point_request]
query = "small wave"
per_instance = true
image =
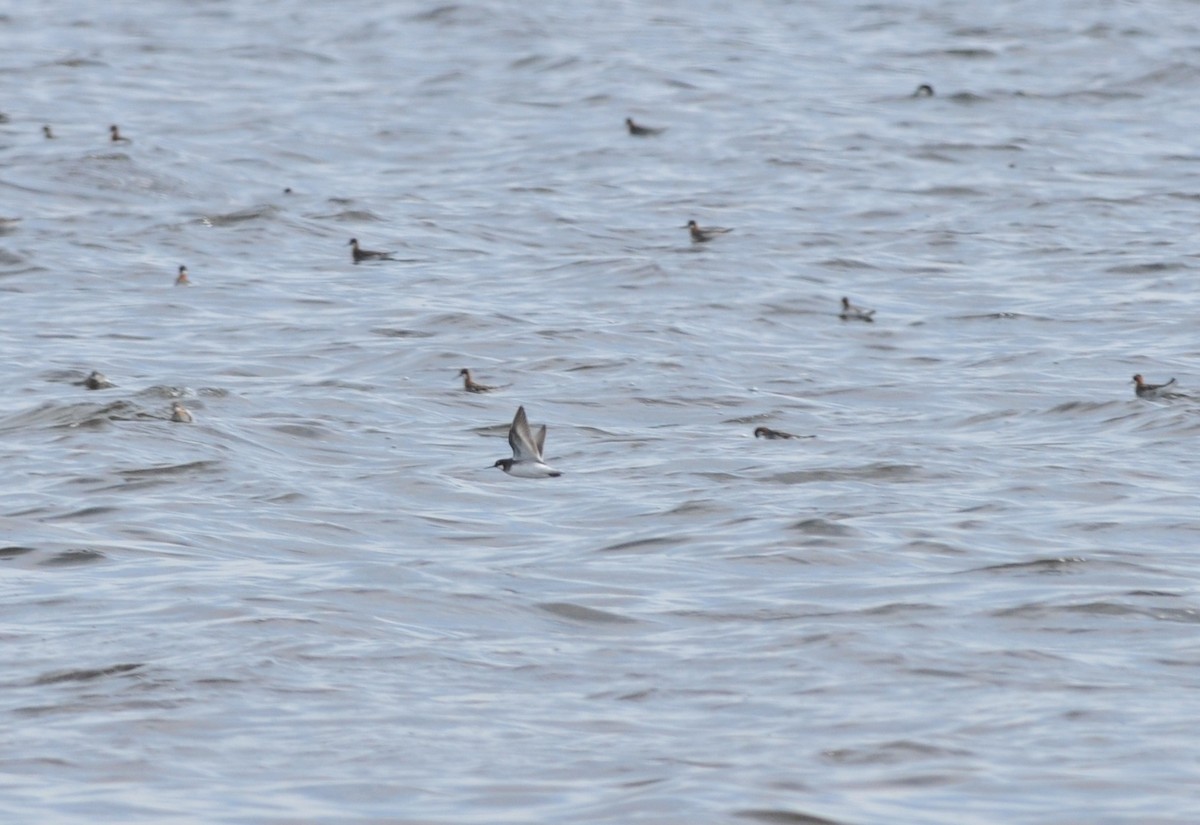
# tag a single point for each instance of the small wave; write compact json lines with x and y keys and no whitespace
{"x":580,"y":613}
{"x":241,"y":216}
{"x":779,"y":816}
{"x":70,"y":558}
{"x":86,"y":675}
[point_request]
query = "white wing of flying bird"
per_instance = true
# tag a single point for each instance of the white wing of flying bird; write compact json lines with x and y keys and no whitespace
{"x":521,"y":440}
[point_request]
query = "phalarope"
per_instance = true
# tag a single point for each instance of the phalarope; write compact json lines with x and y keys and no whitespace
{"x":700,"y":234}
{"x":527,"y":451}
{"x":182,"y":279}
{"x":1145,"y":390}
{"x":642,"y":131}
{"x":850,"y":312}
{"x":115,"y":135}
{"x":180,"y":414}
{"x":360,"y":254}
{"x":767,"y":432}
{"x":469,"y":383}
{"x":97,"y":381}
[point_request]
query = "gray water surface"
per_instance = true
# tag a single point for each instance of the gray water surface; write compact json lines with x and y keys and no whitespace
{"x":966,"y":600}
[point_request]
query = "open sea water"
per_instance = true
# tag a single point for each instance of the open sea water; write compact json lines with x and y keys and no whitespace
{"x":971,"y":598}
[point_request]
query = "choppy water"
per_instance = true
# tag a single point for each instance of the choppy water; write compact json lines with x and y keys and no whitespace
{"x":972,"y":598}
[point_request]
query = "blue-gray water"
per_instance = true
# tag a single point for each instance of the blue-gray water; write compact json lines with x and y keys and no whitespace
{"x":972,"y":598}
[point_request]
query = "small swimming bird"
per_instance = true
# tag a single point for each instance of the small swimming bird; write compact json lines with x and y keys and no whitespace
{"x":46,"y":131}
{"x":180,"y":414}
{"x":700,"y":234}
{"x":767,"y":432}
{"x":97,"y":381}
{"x":182,"y":280}
{"x":527,"y":451}
{"x":642,"y":131}
{"x":115,"y":135}
{"x":360,"y":254}
{"x":1145,"y":390}
{"x":850,"y":312}
{"x":924,"y":90}
{"x":469,"y":383}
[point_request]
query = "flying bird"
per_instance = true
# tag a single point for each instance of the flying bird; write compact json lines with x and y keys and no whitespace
{"x":527,"y":450}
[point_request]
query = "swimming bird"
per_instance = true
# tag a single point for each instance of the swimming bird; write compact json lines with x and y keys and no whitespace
{"x":700,"y":234}
{"x":469,"y":383}
{"x":767,"y":432}
{"x":360,"y":254}
{"x":97,"y":381}
{"x":642,"y":131}
{"x":115,"y":135}
{"x":1145,"y":390}
{"x":852,"y":313}
{"x":924,"y":90}
{"x":180,"y":414}
{"x":527,"y":450}
{"x":182,"y":280}
{"x":46,"y":131}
